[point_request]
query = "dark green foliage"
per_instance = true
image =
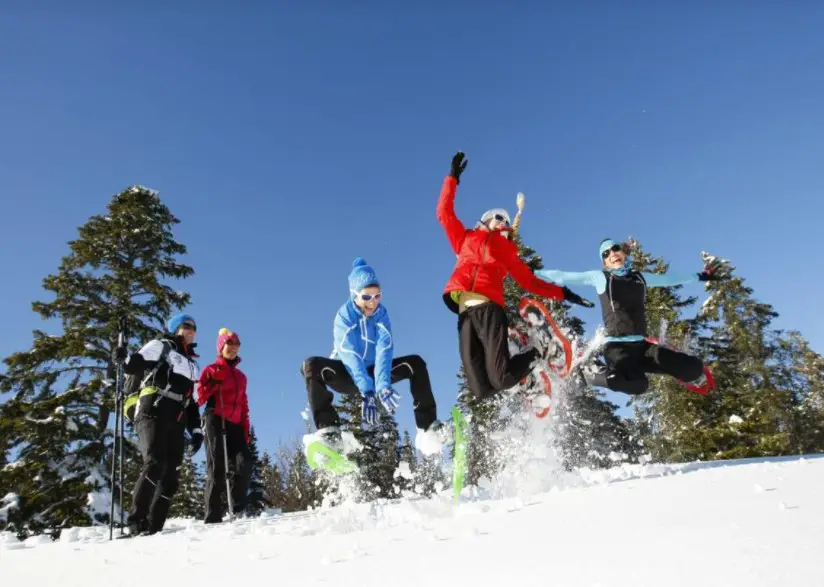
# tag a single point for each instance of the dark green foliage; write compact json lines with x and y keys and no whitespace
{"x":61,"y":391}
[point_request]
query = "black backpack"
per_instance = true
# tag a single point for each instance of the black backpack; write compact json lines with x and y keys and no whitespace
{"x":136,"y":383}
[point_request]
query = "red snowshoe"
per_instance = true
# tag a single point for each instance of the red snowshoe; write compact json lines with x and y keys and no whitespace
{"x":539,"y":323}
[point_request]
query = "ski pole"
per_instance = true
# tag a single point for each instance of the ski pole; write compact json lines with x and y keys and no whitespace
{"x":118,"y":430}
{"x":226,"y":459}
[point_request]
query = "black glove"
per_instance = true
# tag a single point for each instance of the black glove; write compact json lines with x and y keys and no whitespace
{"x":710,"y":273}
{"x":197,"y":441}
{"x":119,"y":354}
{"x":574,"y":298}
{"x":458,"y":165}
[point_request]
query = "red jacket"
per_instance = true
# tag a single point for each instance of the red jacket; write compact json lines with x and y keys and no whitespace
{"x":223,"y":383}
{"x":485,"y":258}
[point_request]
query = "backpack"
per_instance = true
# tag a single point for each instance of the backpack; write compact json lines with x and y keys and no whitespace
{"x":134,"y":386}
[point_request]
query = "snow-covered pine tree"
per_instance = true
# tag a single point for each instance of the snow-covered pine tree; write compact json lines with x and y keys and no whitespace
{"x":754,"y":410}
{"x":258,"y":500}
{"x":379,"y":457}
{"x":272,"y":479}
{"x":62,"y":389}
{"x":801,"y":371}
{"x":189,"y":500}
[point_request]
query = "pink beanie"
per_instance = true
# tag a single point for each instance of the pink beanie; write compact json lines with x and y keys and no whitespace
{"x":225,"y":335}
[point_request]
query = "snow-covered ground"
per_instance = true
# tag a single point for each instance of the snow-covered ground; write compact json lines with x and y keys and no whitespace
{"x":749,"y":523}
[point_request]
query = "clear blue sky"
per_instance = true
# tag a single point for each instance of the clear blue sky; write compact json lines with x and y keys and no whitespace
{"x":291,"y":137}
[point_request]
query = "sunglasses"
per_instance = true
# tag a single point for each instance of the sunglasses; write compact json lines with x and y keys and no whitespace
{"x":188,"y":326}
{"x":367,"y":297}
{"x":612,"y":249}
{"x":500,"y":218}
{"x":232,"y":342}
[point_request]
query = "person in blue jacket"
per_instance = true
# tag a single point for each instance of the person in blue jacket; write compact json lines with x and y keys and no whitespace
{"x":622,"y":292}
{"x":363,"y":362}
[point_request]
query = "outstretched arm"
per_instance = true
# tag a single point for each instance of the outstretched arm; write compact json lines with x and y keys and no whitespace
{"x":521,"y":272}
{"x":668,"y":279}
{"x":593,"y":278}
{"x":346,"y":335}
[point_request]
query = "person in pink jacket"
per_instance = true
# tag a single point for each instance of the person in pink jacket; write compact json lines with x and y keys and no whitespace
{"x":222,"y":389}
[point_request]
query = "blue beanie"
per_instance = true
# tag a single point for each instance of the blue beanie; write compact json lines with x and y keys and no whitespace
{"x":175,"y":321}
{"x":606,"y":244}
{"x":362,"y":275}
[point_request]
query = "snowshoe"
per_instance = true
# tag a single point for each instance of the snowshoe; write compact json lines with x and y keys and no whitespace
{"x":554,"y":347}
{"x":459,"y":458}
{"x":325,"y":450}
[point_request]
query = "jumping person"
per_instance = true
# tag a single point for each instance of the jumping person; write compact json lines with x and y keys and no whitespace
{"x":486,"y":256}
{"x":629,"y":356}
{"x":363,"y":362}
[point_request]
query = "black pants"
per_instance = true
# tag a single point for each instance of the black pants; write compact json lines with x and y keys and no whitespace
{"x":628,"y":364}
{"x":484,"y":344}
{"x":240,"y":466}
{"x":321,"y":371}
{"x":161,"y":443}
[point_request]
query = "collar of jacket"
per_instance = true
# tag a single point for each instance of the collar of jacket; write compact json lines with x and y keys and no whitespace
{"x":221,"y":360}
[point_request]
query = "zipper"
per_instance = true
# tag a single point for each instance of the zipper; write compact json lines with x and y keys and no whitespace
{"x":478,"y":268}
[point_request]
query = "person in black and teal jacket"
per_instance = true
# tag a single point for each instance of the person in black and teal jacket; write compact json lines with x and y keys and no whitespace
{"x":629,"y":356}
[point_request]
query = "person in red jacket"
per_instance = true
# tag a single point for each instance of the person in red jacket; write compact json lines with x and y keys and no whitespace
{"x":222,"y":389}
{"x":475,"y":291}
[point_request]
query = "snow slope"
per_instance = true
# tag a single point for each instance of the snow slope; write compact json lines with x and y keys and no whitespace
{"x":753,"y":523}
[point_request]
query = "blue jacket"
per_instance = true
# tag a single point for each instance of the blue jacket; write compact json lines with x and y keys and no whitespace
{"x":362,"y":342}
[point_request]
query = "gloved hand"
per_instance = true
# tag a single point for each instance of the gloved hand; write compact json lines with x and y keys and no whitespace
{"x":573,"y":298}
{"x":710,"y":273}
{"x":197,"y":440}
{"x":219,"y":374}
{"x":458,"y":165}
{"x":390,"y":399}
{"x":370,"y":408}
{"x":119,"y":354}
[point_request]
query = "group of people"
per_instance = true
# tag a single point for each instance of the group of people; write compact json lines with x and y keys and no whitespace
{"x":171,"y":392}
{"x":363,"y":360}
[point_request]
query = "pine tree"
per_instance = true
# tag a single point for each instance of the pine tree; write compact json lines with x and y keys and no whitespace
{"x":754,"y":411}
{"x":188,"y":502}
{"x":801,"y":371}
{"x":303,"y":487}
{"x":258,"y":499}
{"x":272,"y":479}
{"x":379,"y":457}
{"x":62,"y":389}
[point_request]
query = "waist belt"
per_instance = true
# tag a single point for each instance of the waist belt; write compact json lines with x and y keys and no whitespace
{"x":151,"y":390}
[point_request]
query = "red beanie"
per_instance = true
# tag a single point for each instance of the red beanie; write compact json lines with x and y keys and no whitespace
{"x":225,"y":335}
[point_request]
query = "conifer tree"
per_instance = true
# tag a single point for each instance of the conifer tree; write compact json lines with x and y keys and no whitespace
{"x":258,"y":499}
{"x":189,"y":499}
{"x":62,"y":388}
{"x":272,"y":479}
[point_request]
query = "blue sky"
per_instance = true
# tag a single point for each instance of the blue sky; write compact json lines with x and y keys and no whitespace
{"x":292,"y":137}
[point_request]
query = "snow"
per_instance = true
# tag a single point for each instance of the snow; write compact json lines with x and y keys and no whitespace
{"x":755,"y":522}
{"x":735,"y":419}
{"x":9,"y":502}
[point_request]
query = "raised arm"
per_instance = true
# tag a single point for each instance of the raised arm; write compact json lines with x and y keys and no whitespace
{"x":455,"y":230}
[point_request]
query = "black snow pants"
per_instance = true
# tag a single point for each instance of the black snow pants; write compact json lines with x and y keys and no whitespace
{"x":321,"y":371}
{"x":240,"y":466}
{"x":483,"y":333}
{"x":629,"y":363}
{"x":161,"y":442}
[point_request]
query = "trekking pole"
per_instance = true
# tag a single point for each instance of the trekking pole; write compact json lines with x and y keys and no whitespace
{"x":226,"y":459}
{"x":122,"y":337}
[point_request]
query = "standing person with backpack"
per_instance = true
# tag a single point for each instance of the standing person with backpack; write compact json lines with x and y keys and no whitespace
{"x":162,"y":409}
{"x":222,"y":389}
